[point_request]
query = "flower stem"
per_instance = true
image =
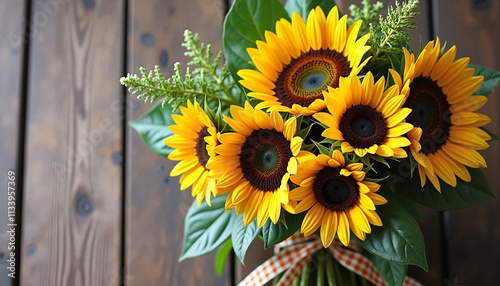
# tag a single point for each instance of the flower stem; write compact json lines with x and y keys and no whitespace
{"x":196,"y":92}
{"x":329,"y":271}
{"x":321,"y":268}
{"x":304,"y":281}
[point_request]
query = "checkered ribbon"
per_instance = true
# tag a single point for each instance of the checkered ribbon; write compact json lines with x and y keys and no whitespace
{"x":293,"y":254}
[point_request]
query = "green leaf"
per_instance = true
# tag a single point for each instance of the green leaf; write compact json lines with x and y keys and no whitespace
{"x":222,"y":255}
{"x":464,"y":195}
{"x":491,"y":79}
{"x":152,"y":127}
{"x":322,"y":149}
{"x":241,"y":235}
{"x":303,"y":7}
{"x":393,"y":273}
{"x":399,"y":239}
{"x":245,"y":23}
{"x":276,"y":233}
{"x":205,"y":228}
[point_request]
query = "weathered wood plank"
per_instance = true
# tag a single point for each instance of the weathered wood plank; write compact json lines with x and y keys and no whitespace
{"x":72,"y":200}
{"x":155,"y":208}
{"x":11,"y":57}
{"x":474,"y":27}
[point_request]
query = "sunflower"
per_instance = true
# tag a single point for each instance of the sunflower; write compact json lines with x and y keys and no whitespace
{"x":300,"y":60}
{"x":336,"y":197}
{"x":195,"y":135}
{"x":440,"y":92}
{"x":367,"y":119}
{"x":255,"y":162}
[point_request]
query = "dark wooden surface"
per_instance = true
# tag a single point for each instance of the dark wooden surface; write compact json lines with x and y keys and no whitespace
{"x":11,"y":77}
{"x":73,"y":191}
{"x":474,"y":255}
{"x":99,"y":208}
{"x":155,"y":208}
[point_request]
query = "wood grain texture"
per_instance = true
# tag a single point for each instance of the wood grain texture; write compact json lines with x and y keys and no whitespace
{"x":11,"y":60}
{"x":474,"y":233}
{"x":155,"y":208}
{"x":72,"y":201}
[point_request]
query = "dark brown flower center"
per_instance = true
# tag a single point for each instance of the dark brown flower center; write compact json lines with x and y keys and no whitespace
{"x":201,"y":146}
{"x":303,"y":80}
{"x":264,"y":158}
{"x":431,"y":112}
{"x":362,"y":126}
{"x":335,"y":191}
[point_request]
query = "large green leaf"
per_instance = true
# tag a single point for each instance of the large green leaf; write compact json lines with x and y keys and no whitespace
{"x":491,"y":79}
{"x":276,"y":233}
{"x":241,"y":235}
{"x":464,"y":195}
{"x":245,"y":23}
{"x":152,"y":127}
{"x":399,"y":239}
{"x":393,"y":273}
{"x":303,"y":7}
{"x":205,"y":228}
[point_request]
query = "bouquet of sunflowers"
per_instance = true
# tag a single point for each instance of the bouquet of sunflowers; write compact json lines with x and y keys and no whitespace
{"x":319,"y":134}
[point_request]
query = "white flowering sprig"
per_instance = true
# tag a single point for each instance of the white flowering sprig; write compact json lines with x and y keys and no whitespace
{"x":205,"y":81}
{"x":390,"y":33}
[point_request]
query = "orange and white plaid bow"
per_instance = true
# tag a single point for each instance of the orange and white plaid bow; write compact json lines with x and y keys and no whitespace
{"x":293,"y":254}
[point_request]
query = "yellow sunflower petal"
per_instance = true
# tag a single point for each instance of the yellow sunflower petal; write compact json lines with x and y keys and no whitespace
{"x":377,"y":199}
{"x":366,"y":201}
{"x":292,"y":166}
{"x":443,"y":171}
{"x":328,"y":227}
{"x":290,"y":128}
{"x":372,"y":216}
{"x":468,"y":139}
{"x":392,"y":105}
{"x":274,"y":208}
{"x":252,"y":207}
{"x":360,"y":152}
{"x":359,"y":218}
{"x":306,"y":203}
{"x":399,"y":129}
{"x":285,"y":33}
{"x":464,"y":155}
{"x":227,"y":149}
{"x":230,"y":178}
{"x":385,"y":151}
{"x":187,"y":179}
{"x":343,"y":228}
{"x":184,"y":166}
{"x":241,"y":192}
{"x":299,"y":32}
{"x":346,"y":147}
{"x":312,"y":220}
{"x":333,"y":133}
{"x":263,"y":212}
{"x":398,"y":117}
{"x":396,"y":142}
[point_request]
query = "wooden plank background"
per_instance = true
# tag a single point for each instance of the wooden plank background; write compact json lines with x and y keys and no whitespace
{"x":474,"y":27}
{"x":73,"y":191}
{"x":99,"y":208}
{"x":155,"y":208}
{"x":11,"y":76}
